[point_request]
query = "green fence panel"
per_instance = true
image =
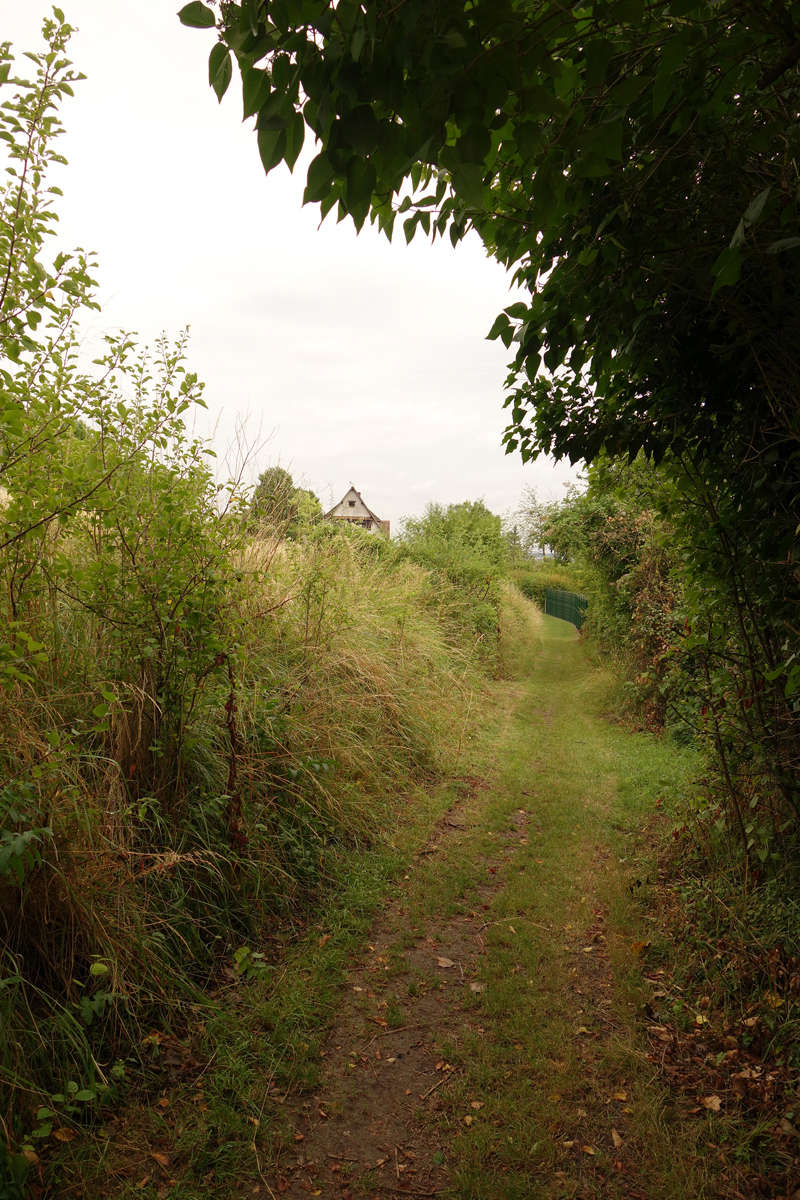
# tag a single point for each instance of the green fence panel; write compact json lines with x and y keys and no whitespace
{"x":567,"y":606}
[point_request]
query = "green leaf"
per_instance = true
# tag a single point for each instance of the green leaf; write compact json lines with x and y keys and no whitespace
{"x":357,"y":43}
{"x":271,"y":147}
{"x":663,"y":88}
{"x":727,"y":269}
{"x":527,"y":138}
{"x":604,"y":140}
{"x":754,"y":210}
{"x":784,"y":244}
{"x":295,"y":136}
{"x":629,"y":90}
{"x":219,"y":69}
{"x":85,"y":1095}
{"x":468,"y":183}
{"x":250,"y":8}
{"x":361,"y":180}
{"x":98,"y":968}
{"x":501,"y":324}
{"x":255,"y":90}
{"x":359,"y":129}
{"x":197,"y":16}
{"x":598,"y":57}
{"x":673,"y":55}
{"x":318,"y":180}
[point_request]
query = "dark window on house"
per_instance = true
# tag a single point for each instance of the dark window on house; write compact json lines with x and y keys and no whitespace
{"x":351,"y":503}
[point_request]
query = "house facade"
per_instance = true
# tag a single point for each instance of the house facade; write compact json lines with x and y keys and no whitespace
{"x":352,"y":508}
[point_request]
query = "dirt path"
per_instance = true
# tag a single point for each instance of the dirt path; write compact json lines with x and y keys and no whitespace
{"x":487,"y":1045}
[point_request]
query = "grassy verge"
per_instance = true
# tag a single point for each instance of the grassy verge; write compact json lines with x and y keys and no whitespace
{"x":352,"y":695}
{"x":572,"y":1071}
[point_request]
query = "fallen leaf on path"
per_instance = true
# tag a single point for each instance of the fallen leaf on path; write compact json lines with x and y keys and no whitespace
{"x":467,"y":1120}
{"x":355,"y":989}
{"x":639,"y":948}
{"x":143,"y":1182}
{"x":616,"y":1139}
{"x":325,"y":938}
{"x":30,"y":1155}
{"x":391,"y":1060}
{"x":568,"y":1145}
{"x":588,"y":949}
{"x":164,"y":1103}
{"x":477,"y":1103}
{"x":700,"y":1019}
{"x":580,"y":1030}
{"x":511,"y":929}
{"x":587,"y":1149}
{"x":445,"y":962}
{"x":477,"y":988}
{"x":64,"y":1135}
{"x":620,"y":1095}
{"x":299,"y":1137}
{"x":750,"y":1021}
{"x":380,"y":1161}
{"x":712,"y":1103}
{"x":161,"y":1159}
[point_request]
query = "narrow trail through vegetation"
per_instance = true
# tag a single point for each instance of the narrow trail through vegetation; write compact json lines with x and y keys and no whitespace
{"x":487,"y":1045}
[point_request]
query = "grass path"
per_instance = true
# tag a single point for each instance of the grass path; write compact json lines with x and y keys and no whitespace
{"x":487,"y":1045}
{"x":466,"y":1019}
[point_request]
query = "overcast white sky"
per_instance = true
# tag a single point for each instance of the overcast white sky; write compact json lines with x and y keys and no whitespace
{"x":368,"y":360}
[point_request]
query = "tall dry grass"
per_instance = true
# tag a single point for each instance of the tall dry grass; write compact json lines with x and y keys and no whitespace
{"x":348,"y":683}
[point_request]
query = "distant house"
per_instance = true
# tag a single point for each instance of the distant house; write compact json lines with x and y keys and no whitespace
{"x":352,"y":508}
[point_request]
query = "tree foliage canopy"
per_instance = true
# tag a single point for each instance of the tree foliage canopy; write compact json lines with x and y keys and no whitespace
{"x":633,"y":163}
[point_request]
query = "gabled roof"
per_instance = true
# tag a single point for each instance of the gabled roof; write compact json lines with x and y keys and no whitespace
{"x":351,"y":492}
